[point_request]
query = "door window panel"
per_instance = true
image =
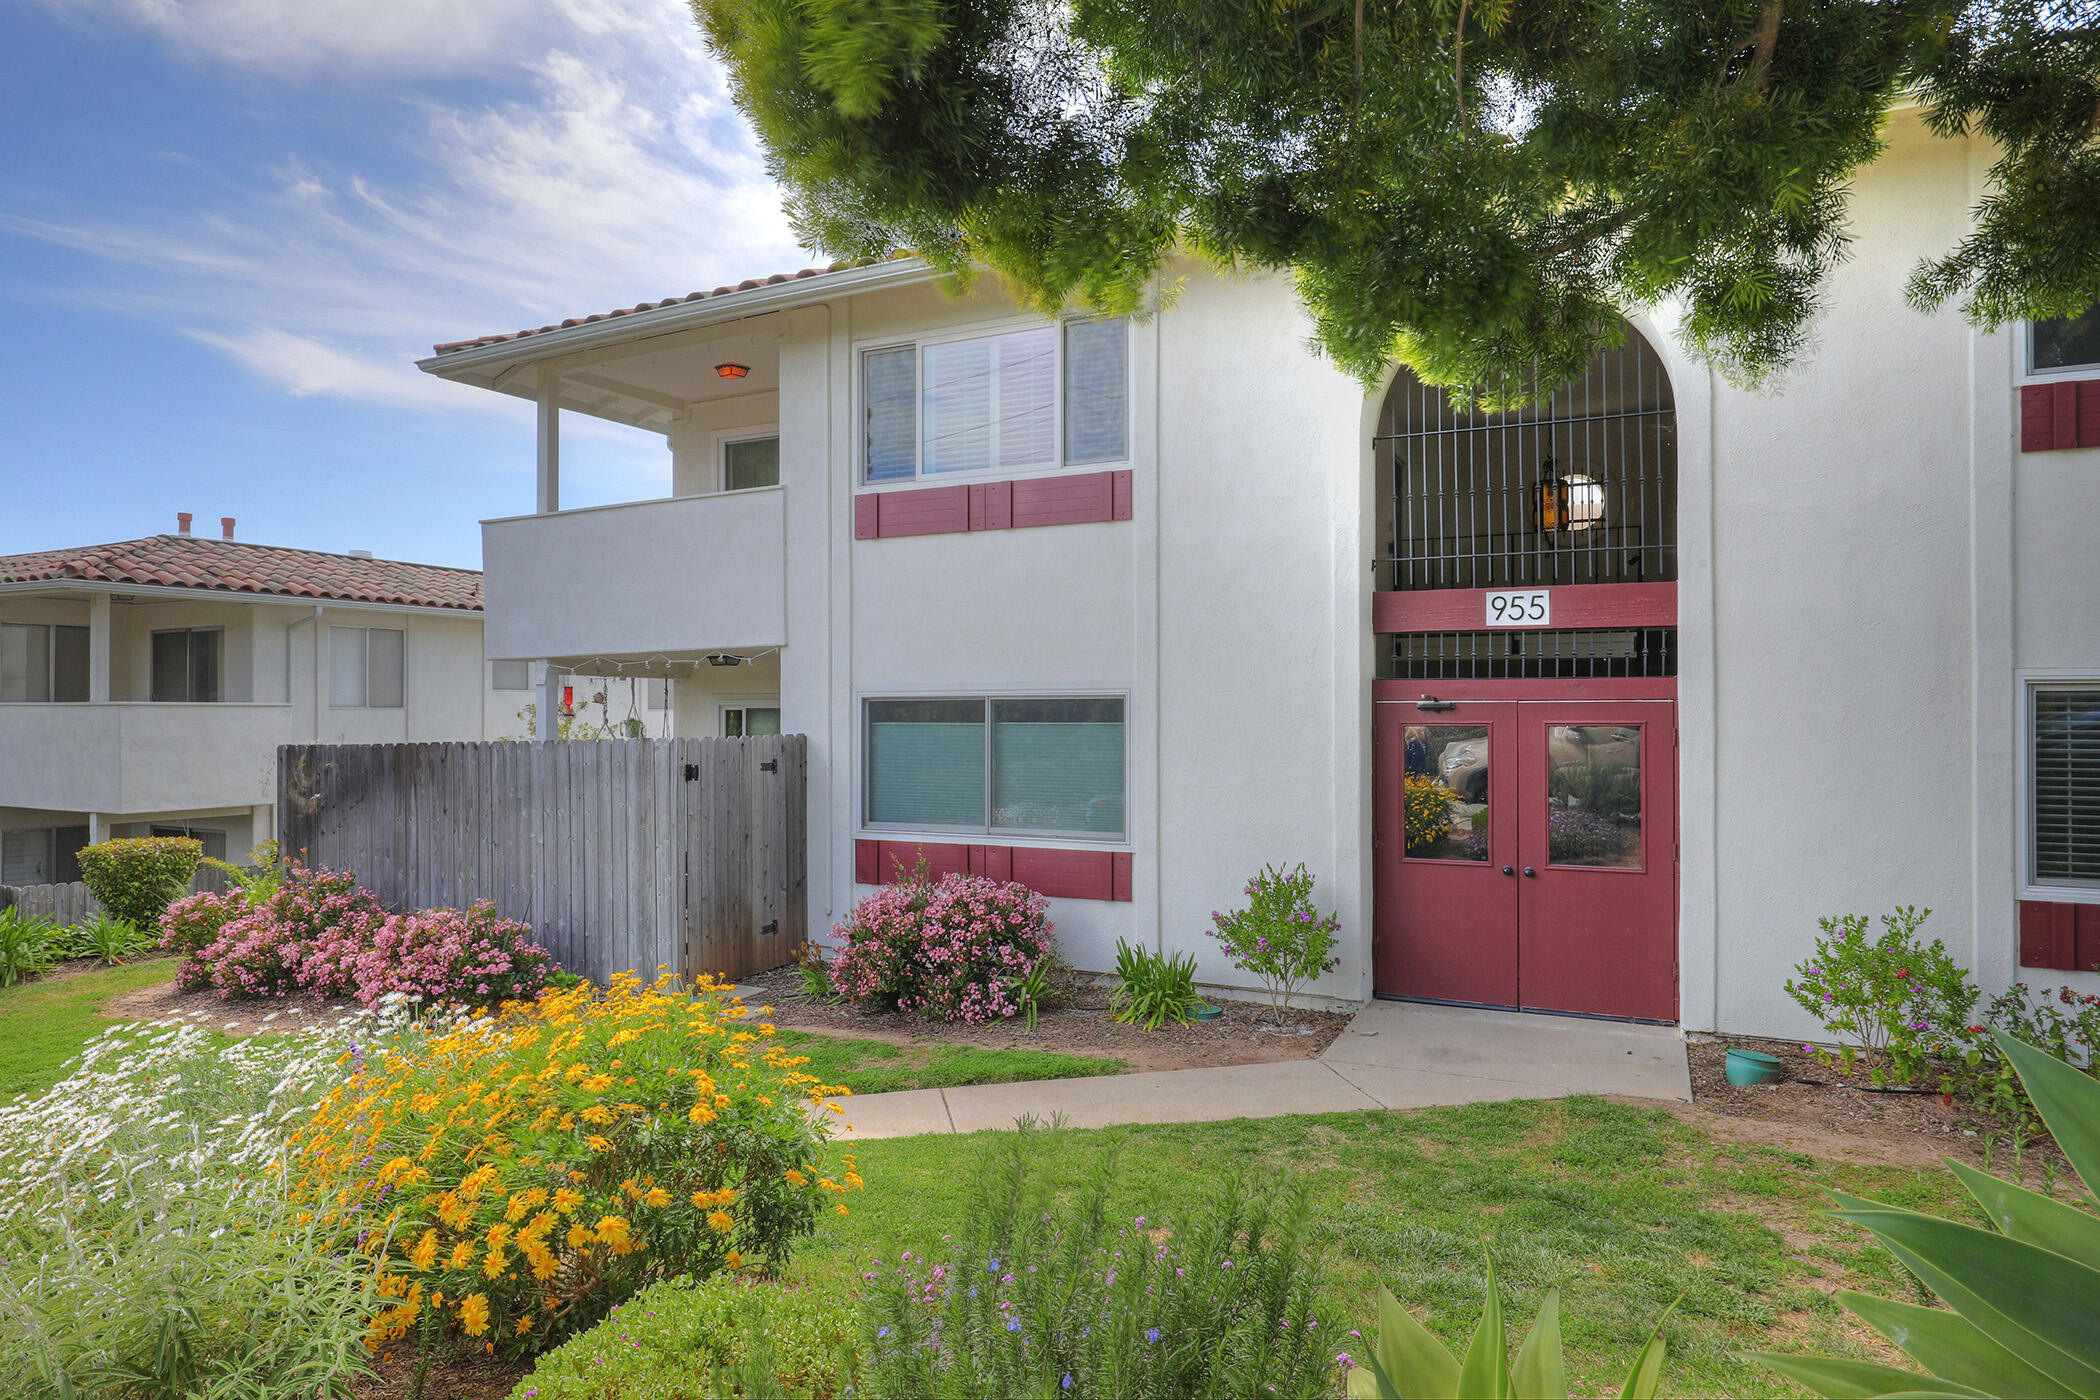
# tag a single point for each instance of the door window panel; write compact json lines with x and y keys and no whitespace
{"x":1593,"y":795}
{"x":1447,"y":791}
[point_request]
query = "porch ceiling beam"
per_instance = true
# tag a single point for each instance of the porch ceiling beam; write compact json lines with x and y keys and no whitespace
{"x":652,"y":344}
{"x":667,"y":402}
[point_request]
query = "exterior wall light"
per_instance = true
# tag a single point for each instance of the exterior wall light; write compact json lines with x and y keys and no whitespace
{"x":1567,"y":501}
{"x":724,"y":658}
{"x":732,"y":371}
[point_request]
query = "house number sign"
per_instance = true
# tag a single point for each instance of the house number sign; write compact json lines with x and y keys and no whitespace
{"x":1527,"y":607}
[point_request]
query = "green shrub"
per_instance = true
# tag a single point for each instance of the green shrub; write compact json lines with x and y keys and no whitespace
{"x":1152,"y":987}
{"x":1279,"y":937}
{"x":26,"y":945}
{"x":1895,"y":1002}
{"x":2024,"y":1290}
{"x":1033,"y":1294}
{"x":138,"y":877}
{"x":686,"y":1339}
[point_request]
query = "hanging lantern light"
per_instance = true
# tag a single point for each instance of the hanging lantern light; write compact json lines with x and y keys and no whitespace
{"x":1567,"y":501}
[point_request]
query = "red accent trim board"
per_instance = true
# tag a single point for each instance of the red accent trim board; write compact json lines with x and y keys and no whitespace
{"x":1061,"y":874}
{"x":2065,"y":413}
{"x":1574,"y":605}
{"x":2061,"y":936}
{"x":1083,"y":499}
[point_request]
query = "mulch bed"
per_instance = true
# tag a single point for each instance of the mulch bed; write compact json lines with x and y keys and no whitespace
{"x":1817,"y":1109}
{"x":453,"y":1376}
{"x":1248,"y":1033}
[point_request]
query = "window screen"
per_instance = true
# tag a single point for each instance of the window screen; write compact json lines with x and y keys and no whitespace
{"x":2072,"y":342}
{"x":510,"y":675}
{"x":2065,"y":820}
{"x":751,"y":463}
{"x":1097,"y":391}
{"x":1052,"y":766}
{"x":69,"y":664}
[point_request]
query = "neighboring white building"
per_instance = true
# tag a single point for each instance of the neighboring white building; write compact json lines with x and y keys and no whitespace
{"x":1128,"y":610}
{"x":146,"y":685}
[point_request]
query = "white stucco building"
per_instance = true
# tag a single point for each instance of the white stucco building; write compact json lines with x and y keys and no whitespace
{"x":145,"y":685}
{"x":1128,"y":610}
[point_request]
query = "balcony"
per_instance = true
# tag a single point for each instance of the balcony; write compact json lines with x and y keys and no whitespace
{"x":686,"y":574}
{"x":140,"y":756}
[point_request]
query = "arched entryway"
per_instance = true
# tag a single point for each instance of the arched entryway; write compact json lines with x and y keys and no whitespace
{"x":1524,"y":715}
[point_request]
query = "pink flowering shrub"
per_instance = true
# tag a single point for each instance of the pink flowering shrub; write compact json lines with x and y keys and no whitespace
{"x":960,"y":949}
{"x":319,"y":933}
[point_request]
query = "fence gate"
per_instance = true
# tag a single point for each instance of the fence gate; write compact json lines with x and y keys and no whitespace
{"x":623,"y":854}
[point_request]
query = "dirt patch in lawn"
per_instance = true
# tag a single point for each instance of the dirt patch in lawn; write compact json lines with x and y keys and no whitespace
{"x":1247,"y":1034}
{"x":1823,"y":1113}
{"x":275,"y":1017}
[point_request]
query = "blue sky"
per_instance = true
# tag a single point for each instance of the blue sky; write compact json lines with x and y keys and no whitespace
{"x":229,"y":227}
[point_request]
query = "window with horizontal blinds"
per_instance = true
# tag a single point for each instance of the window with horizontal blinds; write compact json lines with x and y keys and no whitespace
{"x":1047,"y":766}
{"x":2064,"y":820}
{"x":998,"y":403}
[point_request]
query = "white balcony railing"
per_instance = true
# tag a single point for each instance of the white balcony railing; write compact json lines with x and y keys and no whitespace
{"x":684,"y":574}
{"x":140,"y":756}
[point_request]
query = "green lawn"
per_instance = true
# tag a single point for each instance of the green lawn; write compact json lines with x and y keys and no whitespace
{"x":876,"y":1066}
{"x":44,"y":1024}
{"x":1621,"y":1207}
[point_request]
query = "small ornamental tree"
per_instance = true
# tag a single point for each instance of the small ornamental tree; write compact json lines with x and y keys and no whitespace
{"x":1893,"y":1001}
{"x":138,"y":877}
{"x":1279,"y":937}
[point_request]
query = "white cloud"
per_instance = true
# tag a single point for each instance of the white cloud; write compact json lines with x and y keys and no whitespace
{"x":614,"y":170}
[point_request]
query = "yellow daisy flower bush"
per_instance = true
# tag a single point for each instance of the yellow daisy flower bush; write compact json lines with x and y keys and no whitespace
{"x":511,"y":1177}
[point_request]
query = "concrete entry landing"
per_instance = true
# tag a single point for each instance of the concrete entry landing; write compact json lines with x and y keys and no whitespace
{"x":1393,"y":1055}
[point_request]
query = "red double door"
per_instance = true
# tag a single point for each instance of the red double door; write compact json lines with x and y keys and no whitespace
{"x":1526,"y":854}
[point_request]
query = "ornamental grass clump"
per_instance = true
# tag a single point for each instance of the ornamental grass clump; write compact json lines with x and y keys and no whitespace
{"x":512,"y":1177}
{"x":964,"y":948}
{"x":1034,"y":1294}
{"x":1280,"y":936}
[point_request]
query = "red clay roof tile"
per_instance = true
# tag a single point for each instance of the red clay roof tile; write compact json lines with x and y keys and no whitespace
{"x":236,"y":566}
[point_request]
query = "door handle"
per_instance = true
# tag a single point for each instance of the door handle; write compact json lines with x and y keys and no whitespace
{"x":1509,"y":870}
{"x":1530,"y":874}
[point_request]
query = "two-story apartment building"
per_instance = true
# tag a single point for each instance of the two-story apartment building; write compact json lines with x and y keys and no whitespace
{"x":145,"y":685}
{"x":1593,"y":707}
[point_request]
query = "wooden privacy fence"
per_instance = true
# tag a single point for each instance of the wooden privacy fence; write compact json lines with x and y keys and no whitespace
{"x":72,"y":904}
{"x":623,"y":854}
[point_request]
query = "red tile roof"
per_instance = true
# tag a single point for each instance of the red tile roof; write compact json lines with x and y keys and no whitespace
{"x":748,"y":284}
{"x":235,"y":566}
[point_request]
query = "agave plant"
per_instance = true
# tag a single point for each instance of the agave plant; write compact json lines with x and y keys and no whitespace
{"x":2024,"y":1293}
{"x":1408,"y":1360}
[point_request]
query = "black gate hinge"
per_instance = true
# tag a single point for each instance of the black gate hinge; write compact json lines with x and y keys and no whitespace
{"x":770,"y":927}
{"x":692,"y":772}
{"x":771,"y":765}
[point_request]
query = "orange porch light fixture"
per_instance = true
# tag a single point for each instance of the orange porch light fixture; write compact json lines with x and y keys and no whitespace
{"x":732,"y":371}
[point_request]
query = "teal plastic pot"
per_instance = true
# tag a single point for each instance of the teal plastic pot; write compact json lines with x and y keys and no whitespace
{"x":1748,"y":1067}
{"x":1206,"y":1012}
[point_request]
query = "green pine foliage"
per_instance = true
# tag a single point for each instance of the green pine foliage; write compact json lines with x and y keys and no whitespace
{"x":1473,"y":187}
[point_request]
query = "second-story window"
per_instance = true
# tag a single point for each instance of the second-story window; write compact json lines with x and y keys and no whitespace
{"x":188,"y":664}
{"x":40,"y":662}
{"x":2070,"y":344}
{"x":367,"y":667}
{"x":1018,"y":401}
{"x":748,"y":463}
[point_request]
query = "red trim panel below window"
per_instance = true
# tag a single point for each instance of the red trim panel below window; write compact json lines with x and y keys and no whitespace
{"x":1085,"y":499}
{"x":2062,"y":414}
{"x":2061,"y":936}
{"x":1574,"y":605}
{"x":1061,"y":874}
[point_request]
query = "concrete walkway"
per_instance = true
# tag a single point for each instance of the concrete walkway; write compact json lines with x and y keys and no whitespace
{"x":1393,"y":1055}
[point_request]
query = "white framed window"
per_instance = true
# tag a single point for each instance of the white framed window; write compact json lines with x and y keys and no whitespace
{"x":1008,"y":403}
{"x":188,"y":664}
{"x":212,"y":839}
{"x":2067,"y":345}
{"x":743,"y":718}
{"x":42,"y":662}
{"x":749,"y":458}
{"x":510,"y":675}
{"x":1050,"y":765}
{"x":367,"y":668}
{"x":2060,"y":787}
